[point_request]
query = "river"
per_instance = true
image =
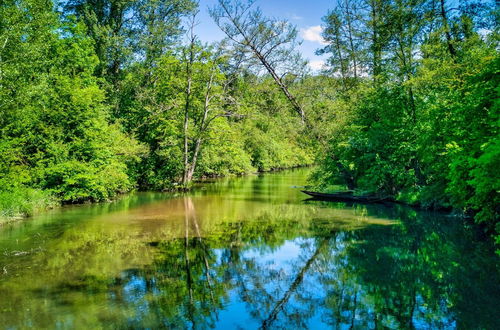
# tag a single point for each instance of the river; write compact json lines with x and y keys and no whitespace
{"x":245,"y":253}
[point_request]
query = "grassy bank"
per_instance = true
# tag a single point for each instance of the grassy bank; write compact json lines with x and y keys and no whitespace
{"x":24,"y":202}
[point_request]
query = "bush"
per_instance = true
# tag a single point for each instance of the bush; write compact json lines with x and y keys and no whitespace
{"x":76,"y":182}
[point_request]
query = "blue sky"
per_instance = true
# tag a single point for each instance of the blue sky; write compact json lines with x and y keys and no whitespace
{"x":305,"y":14}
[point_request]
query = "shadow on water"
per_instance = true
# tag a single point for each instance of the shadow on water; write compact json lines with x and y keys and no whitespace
{"x":248,"y":253}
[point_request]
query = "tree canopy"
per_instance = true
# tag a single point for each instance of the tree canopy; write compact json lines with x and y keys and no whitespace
{"x":98,"y":97}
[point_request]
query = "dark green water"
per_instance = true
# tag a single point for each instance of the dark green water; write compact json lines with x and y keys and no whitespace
{"x":245,"y":253}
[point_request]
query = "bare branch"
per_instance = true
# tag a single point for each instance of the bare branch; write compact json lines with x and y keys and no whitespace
{"x":260,"y":36}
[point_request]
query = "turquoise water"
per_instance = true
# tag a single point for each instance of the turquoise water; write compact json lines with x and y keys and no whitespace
{"x":245,"y":253}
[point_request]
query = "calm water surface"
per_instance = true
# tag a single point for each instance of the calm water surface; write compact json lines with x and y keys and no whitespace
{"x":245,"y":253}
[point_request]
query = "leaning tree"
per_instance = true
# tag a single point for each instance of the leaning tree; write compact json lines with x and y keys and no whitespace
{"x":270,"y":41}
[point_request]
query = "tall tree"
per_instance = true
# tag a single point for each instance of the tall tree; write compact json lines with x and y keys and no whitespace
{"x":424,"y":131}
{"x":344,"y":41}
{"x":126,"y":31}
{"x":357,"y":33}
{"x":182,"y":105}
{"x":54,"y":128}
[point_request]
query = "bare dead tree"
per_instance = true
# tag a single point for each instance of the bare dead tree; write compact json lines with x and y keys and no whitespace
{"x":267,"y":40}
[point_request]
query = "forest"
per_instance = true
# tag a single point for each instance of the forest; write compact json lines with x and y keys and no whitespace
{"x":102,"y":97}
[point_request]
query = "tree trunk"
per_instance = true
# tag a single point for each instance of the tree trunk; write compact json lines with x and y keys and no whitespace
{"x":297,"y":281}
{"x":376,"y":42}
{"x":189,"y":77}
{"x":447,"y":32}
{"x":351,"y":41}
{"x":339,"y":54}
{"x":262,"y":59}
{"x":280,"y":83}
{"x":186,"y":179}
{"x":347,"y":176}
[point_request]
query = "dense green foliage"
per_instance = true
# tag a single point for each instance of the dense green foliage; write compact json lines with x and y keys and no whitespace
{"x":100,"y":97}
{"x":420,"y":87}
{"x":55,"y":132}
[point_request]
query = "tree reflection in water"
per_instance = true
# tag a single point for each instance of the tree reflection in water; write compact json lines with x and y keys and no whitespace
{"x":421,"y":274}
{"x":245,"y":253}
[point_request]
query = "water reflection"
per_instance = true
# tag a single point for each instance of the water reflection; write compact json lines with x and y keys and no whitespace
{"x":246,"y":253}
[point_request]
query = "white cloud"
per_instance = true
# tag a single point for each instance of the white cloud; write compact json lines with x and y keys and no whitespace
{"x":313,"y":33}
{"x":317,"y":65}
{"x":296,"y":17}
{"x":484,"y":32}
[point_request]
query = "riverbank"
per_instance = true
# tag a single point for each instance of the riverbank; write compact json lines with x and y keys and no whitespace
{"x":21,"y":203}
{"x":409,"y":199}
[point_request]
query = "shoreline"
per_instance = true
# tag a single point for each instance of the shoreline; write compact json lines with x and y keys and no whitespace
{"x":6,"y":220}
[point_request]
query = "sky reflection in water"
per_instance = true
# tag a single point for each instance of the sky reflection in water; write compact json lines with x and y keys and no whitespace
{"x":245,"y":253}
